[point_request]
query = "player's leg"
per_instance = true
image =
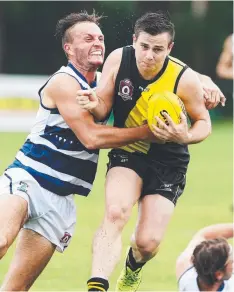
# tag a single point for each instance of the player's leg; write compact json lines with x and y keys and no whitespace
{"x":50,"y":225}
{"x":123,"y":188}
{"x":13,"y":213}
{"x":155,"y":212}
{"x":32,"y":254}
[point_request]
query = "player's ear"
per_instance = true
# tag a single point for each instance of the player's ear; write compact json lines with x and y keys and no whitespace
{"x":133,"y":40}
{"x":170,"y":46}
{"x":219,"y":275}
{"x":67,"y":49}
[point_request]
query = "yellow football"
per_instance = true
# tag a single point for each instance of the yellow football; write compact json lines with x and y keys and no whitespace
{"x":162,"y":102}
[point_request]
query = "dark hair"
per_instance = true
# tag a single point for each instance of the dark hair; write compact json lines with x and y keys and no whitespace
{"x":155,"y":23}
{"x":209,"y":257}
{"x":71,"y":19}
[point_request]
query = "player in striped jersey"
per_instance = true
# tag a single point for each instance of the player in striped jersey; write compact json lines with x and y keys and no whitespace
{"x":58,"y":159}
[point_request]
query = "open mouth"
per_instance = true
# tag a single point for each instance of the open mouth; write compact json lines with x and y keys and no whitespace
{"x":97,"y":53}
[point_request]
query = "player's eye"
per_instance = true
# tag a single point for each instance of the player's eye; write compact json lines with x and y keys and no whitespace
{"x":89,"y":39}
{"x":144,"y":46}
{"x":157,"y":50}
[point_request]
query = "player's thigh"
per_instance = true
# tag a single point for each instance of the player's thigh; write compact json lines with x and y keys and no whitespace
{"x":124,"y":178}
{"x":123,"y":187}
{"x":32,"y":254}
{"x":155,"y":212}
{"x":13,"y":211}
{"x":162,"y":187}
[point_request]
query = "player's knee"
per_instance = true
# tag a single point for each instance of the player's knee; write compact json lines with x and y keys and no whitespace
{"x":118,"y":215}
{"x":3,"y":246}
{"x":148,"y":247}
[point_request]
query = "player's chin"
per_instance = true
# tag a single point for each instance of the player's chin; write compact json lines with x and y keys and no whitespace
{"x":97,"y":61}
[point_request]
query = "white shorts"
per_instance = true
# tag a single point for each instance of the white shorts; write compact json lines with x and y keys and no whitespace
{"x":52,"y":216}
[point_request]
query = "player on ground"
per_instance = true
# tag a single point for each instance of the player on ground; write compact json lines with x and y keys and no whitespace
{"x":152,"y":174}
{"x":58,"y":159}
{"x":207,"y":262}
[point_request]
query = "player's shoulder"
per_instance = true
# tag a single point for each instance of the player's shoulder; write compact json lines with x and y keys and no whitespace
{"x":187,"y":281}
{"x":116,"y":55}
{"x":61,"y":84}
{"x":230,"y":281}
{"x":113,"y":61}
{"x":63,"y":79}
{"x":177,"y":61}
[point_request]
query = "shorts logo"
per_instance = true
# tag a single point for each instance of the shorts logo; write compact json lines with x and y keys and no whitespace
{"x":23,"y":187}
{"x":66,"y":237}
{"x":124,"y":158}
{"x":126,"y":89}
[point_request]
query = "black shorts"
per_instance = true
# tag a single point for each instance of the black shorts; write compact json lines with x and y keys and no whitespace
{"x":157,"y":178}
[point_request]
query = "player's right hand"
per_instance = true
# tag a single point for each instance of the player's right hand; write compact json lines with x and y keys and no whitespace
{"x":87,"y":99}
{"x":150,"y":137}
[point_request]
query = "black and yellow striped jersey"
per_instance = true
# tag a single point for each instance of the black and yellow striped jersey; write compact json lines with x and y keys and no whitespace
{"x":132,"y":93}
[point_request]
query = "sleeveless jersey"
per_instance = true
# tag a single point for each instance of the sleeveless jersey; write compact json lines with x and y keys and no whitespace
{"x":52,"y":153}
{"x":132,"y":93}
{"x":188,"y":282}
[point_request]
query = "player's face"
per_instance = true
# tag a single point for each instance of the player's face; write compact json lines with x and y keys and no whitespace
{"x":151,"y":51}
{"x":87,"y":46}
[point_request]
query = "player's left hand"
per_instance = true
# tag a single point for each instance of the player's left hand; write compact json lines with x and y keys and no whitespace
{"x":171,"y":132}
{"x":212,"y":94}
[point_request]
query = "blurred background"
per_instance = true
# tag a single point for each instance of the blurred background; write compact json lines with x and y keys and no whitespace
{"x":29,"y":53}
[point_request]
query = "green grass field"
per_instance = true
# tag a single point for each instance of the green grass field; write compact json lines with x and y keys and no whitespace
{"x":206,"y":200}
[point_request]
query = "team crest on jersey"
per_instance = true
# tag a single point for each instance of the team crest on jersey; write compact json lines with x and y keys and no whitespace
{"x":126,"y":89}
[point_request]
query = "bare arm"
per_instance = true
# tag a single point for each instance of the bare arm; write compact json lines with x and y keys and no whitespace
{"x":100,"y":102}
{"x":190,"y":92}
{"x":218,"y":230}
{"x":211,"y":92}
{"x":61,"y":90}
{"x":224,"y":68}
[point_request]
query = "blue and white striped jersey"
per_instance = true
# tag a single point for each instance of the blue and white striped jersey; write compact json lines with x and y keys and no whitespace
{"x":52,"y":153}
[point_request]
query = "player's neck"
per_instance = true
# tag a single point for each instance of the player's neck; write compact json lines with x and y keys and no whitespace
{"x":203,"y":287}
{"x":89,"y":75}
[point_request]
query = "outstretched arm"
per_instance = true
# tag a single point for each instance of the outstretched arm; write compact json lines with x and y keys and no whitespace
{"x":61,"y":90}
{"x":211,"y":92}
{"x":210,"y":232}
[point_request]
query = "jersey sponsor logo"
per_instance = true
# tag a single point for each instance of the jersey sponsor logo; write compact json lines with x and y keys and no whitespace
{"x":126,"y":89}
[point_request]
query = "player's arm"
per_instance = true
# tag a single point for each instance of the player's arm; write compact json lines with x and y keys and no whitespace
{"x":190,"y":92}
{"x":218,"y":230}
{"x":61,"y":89}
{"x":224,"y":68}
{"x":211,"y":92}
{"x":100,"y":101}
